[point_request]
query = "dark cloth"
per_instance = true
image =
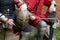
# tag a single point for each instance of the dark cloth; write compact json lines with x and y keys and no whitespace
{"x":1,"y":28}
{"x":7,"y":7}
{"x":7,"y":4}
{"x":19,"y":29}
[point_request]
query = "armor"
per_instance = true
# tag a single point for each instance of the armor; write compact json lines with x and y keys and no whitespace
{"x":22,"y":18}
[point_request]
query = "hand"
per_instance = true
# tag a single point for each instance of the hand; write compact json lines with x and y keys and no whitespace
{"x":10,"y":22}
{"x":32,"y":17}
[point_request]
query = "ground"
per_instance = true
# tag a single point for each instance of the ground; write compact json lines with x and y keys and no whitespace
{"x":58,"y":33}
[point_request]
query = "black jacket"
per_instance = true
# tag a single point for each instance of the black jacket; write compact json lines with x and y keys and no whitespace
{"x":7,"y":5}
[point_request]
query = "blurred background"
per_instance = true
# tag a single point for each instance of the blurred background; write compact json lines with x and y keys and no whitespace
{"x":57,"y":33}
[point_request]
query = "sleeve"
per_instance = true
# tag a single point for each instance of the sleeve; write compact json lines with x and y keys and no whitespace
{"x":47,"y":2}
{"x":18,"y":3}
{"x":31,"y":4}
{"x":3,"y":18}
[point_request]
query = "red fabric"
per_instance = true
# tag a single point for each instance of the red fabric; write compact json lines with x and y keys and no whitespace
{"x":31,"y":4}
{"x":38,"y":15}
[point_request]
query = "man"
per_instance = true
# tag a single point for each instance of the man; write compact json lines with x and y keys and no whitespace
{"x":7,"y":8}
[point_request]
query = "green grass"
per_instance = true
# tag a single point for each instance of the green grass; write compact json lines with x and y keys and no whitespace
{"x":58,"y":33}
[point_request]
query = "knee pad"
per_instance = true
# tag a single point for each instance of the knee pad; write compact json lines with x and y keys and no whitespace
{"x":43,"y":23}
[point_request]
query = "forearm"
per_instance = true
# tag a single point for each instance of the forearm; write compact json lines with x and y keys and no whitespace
{"x":3,"y":18}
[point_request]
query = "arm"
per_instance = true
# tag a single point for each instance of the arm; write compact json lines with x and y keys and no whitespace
{"x":6,"y":20}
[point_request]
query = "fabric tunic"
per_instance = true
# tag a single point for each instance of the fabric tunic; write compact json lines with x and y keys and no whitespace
{"x":35,"y":7}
